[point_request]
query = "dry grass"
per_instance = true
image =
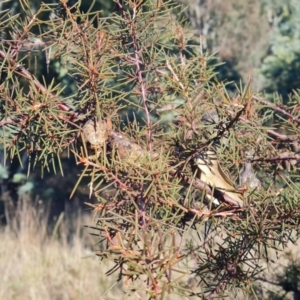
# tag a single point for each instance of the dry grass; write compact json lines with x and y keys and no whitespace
{"x":58,"y":263}
{"x":37,"y":265}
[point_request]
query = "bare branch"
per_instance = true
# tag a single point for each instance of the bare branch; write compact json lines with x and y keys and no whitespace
{"x":282,"y":111}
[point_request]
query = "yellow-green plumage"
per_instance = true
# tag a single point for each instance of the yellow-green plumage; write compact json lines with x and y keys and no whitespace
{"x":212,"y":174}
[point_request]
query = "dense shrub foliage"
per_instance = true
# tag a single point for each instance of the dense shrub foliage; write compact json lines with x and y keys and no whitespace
{"x":192,"y":184}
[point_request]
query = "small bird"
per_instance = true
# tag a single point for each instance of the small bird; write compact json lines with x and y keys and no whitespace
{"x":248,"y":177}
{"x":211,"y":173}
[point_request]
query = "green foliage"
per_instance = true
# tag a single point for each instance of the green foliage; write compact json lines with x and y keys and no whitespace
{"x":155,"y":221}
{"x":3,"y":172}
{"x":280,"y":68}
{"x":238,"y":31}
{"x":258,"y":37}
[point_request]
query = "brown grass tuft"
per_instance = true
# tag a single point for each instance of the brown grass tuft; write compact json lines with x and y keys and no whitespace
{"x":39,"y":263}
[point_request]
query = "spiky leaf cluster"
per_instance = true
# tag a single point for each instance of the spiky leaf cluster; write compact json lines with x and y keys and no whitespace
{"x":146,"y":105}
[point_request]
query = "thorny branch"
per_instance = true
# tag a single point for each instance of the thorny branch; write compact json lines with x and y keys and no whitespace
{"x":137,"y":62}
{"x":20,"y":70}
{"x":276,"y":108}
{"x":197,"y":183}
{"x":131,"y":191}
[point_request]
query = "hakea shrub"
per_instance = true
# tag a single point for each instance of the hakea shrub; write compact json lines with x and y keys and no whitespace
{"x":194,"y":186}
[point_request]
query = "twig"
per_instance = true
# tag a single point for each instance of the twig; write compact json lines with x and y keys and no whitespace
{"x":282,"y":111}
{"x":136,"y":60}
{"x":282,"y":137}
{"x":279,"y":136}
{"x":277,"y":158}
{"x":87,"y":162}
{"x":19,"y":69}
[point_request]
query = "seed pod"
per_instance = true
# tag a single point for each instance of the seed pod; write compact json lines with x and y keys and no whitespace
{"x":97,"y":133}
{"x":127,"y":149}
